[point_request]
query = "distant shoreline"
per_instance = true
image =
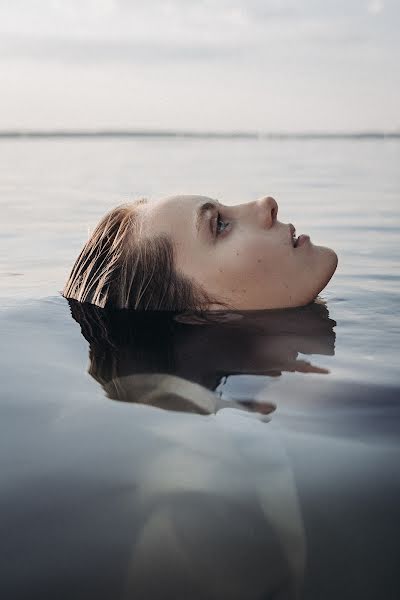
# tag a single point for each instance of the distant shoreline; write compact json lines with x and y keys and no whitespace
{"x":110,"y":133}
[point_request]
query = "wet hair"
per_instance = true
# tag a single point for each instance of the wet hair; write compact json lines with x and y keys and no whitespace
{"x":119,"y":267}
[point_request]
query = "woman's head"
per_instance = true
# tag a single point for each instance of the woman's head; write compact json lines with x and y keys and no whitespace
{"x":122,"y":266}
{"x":191,"y":252}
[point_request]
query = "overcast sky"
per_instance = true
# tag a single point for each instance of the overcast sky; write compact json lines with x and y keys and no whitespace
{"x":259,"y":65}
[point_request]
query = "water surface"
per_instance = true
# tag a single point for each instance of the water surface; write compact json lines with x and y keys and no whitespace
{"x":253,"y":458}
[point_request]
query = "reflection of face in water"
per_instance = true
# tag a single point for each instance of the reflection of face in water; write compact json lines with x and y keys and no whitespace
{"x":126,"y":346}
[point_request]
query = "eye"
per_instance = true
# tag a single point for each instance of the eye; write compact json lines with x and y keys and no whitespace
{"x":220,"y":225}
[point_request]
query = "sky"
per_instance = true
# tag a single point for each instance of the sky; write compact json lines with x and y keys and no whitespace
{"x":200,"y":65}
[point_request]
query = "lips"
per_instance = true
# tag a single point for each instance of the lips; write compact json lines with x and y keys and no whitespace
{"x":302,"y":239}
{"x":296,"y":242}
{"x":292,"y":230}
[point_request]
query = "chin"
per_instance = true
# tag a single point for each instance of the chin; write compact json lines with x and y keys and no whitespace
{"x":333,"y":260}
{"x":329,"y":262}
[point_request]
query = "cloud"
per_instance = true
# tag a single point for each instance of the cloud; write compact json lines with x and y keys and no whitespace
{"x":175,"y":30}
{"x":102,"y":51}
{"x":171,"y":20}
{"x":263,"y":64}
{"x":375,"y":7}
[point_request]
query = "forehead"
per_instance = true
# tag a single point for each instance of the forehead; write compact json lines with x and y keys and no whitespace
{"x":172,"y":214}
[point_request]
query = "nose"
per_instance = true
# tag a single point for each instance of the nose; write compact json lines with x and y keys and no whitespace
{"x":268,"y":210}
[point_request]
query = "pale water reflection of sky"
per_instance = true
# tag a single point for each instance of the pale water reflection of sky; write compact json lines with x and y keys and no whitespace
{"x":268,"y":65}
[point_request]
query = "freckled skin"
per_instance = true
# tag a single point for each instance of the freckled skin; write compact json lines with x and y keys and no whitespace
{"x":252,"y":264}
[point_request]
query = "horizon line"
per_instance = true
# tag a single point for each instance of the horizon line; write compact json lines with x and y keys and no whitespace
{"x":115,"y":133}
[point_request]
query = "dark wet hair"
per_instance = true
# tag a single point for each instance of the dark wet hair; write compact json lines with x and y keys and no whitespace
{"x":119,"y":267}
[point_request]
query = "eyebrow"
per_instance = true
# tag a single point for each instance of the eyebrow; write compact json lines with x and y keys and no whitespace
{"x":201,"y":212}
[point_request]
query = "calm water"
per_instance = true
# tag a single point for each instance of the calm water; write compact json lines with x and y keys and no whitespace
{"x":274,"y":473}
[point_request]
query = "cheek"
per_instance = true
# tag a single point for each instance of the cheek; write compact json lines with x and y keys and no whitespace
{"x":250,"y":261}
{"x":262,"y":256}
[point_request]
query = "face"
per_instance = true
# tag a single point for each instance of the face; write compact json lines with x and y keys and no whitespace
{"x":241,"y":255}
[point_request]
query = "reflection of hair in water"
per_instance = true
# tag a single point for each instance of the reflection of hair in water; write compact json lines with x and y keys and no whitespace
{"x":132,"y":357}
{"x":119,"y":347}
{"x":201,"y":348}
